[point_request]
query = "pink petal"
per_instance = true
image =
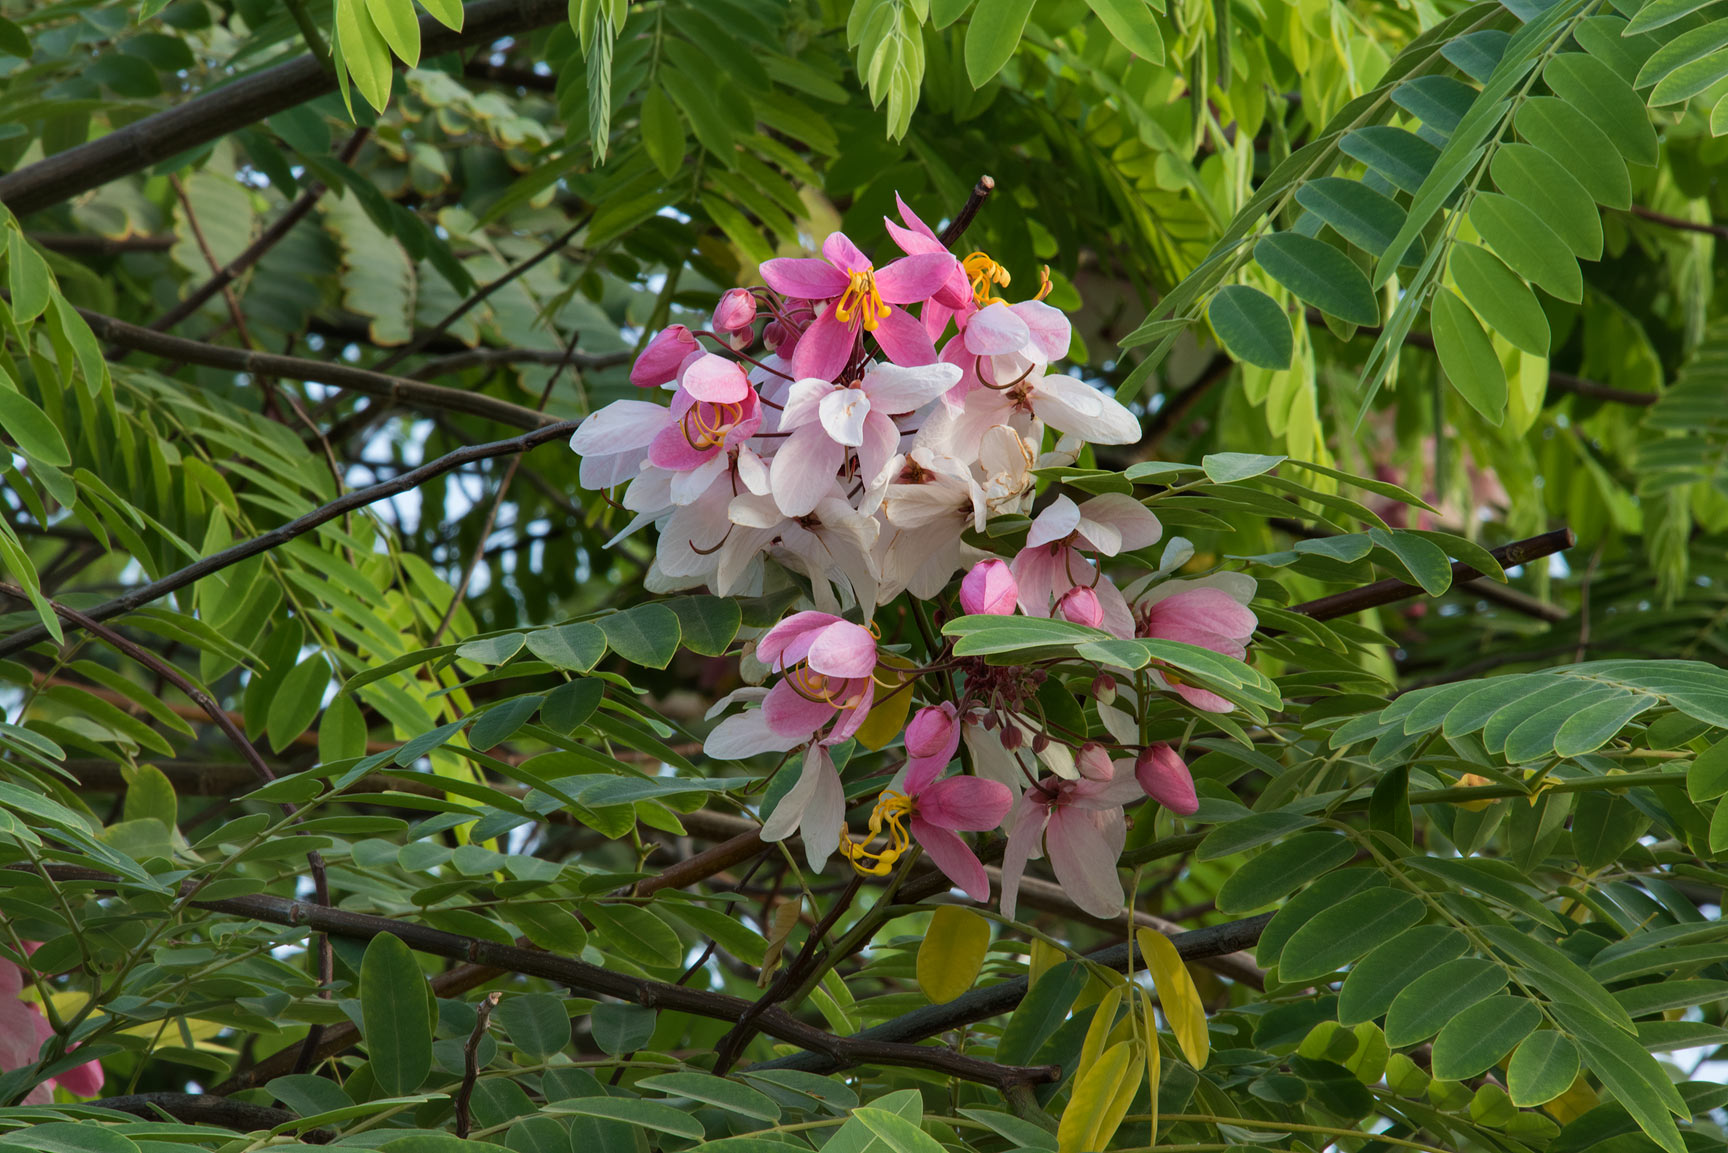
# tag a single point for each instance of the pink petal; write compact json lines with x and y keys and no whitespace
{"x":1049,"y":329}
{"x":789,"y":813}
{"x":913,"y":278}
{"x":852,"y":716}
{"x":1093,"y":763}
{"x":1118,"y":620}
{"x":672,"y":450}
{"x":1203,"y":699}
{"x":790,"y":714}
{"x":912,"y":220}
{"x":1055,"y":522}
{"x":911,"y":242}
{"x":804,"y":278}
{"x":843,"y":254}
{"x":934,"y":733}
{"x":736,"y":310}
{"x":660,"y":360}
{"x":799,"y":630}
{"x":1132,"y":523}
{"x":989,"y":588}
{"x":1190,"y":634}
{"x":1030,"y":819}
{"x":935,"y":315}
{"x":1042,"y":574}
{"x":995,"y":330}
{"x":1205,"y":608}
{"x":843,"y":649}
{"x":1084,"y":855}
{"x":1081,"y":606}
{"x":715,"y":379}
{"x":902,"y":339}
{"x":954,"y":857}
{"x":804,"y":469}
{"x":825,"y":347}
{"x":85,"y":1080}
{"x":1166,"y":779}
{"x":973,"y":804}
{"x":881,"y":437}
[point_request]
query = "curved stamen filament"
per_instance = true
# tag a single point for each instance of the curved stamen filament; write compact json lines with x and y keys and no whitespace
{"x":891,"y":811}
{"x":707,"y":424}
{"x":862,"y":298}
{"x":982,"y":272}
{"x":813,"y":686}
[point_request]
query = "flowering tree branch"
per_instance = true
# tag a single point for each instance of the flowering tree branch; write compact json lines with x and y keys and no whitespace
{"x":1391,"y":591}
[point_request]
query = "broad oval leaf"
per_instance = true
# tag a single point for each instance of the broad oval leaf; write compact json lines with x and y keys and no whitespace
{"x":1320,"y":275}
{"x":1468,"y":357}
{"x":715,"y":1091}
{"x":1528,"y":174}
{"x":646,"y":635}
{"x":1132,"y":24}
{"x":1529,"y":246}
{"x":1177,"y":994}
{"x":1591,"y":86}
{"x":1380,"y":976}
{"x":1401,"y":157}
{"x":26,"y":423}
{"x":1690,"y":79}
{"x":1251,"y":326}
{"x":952,"y":953}
{"x":1438,"y":995}
{"x":992,"y":36}
{"x":1500,"y":297}
{"x":1661,"y":13}
{"x":1482,"y":1034}
{"x":1283,"y":869}
{"x":395,"y":1016}
{"x":1573,"y":139}
{"x":1341,"y":934}
{"x":1366,"y":218}
{"x":1544,"y":1067}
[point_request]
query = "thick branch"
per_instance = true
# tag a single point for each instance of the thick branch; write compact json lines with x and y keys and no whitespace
{"x":1390,"y":591}
{"x":390,"y":389}
{"x":81,"y":244}
{"x":207,"y":1109}
{"x":239,"y":103}
{"x":348,"y":502}
{"x":476,"y":357}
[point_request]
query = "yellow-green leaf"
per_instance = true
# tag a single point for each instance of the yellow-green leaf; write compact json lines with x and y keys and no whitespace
{"x":364,"y":52}
{"x":887,"y":717}
{"x":396,"y":22}
{"x":1095,"y":1092}
{"x":1179,"y":995}
{"x":952,"y":952}
{"x":446,"y":12}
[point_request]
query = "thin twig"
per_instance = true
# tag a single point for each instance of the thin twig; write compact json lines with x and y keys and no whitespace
{"x":471,"y":1061}
{"x":963,"y":219}
{"x":478,"y":357}
{"x":1681,"y":223}
{"x":275,"y":538}
{"x":1391,"y":591}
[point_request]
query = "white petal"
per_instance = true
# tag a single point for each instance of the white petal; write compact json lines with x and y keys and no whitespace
{"x":745,"y":735}
{"x":895,"y":389}
{"x":804,"y":469}
{"x":1055,"y":522}
{"x":790,"y":811}
{"x":843,"y":412}
{"x":824,"y":816}
{"x":1070,"y":405}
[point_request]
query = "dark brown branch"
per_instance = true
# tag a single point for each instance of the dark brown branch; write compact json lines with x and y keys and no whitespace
{"x":348,"y":502}
{"x":593,"y":980}
{"x":79,"y":244}
{"x":963,"y":219}
{"x":471,"y":1061}
{"x":390,"y":389}
{"x":476,"y":357}
{"x":1391,"y":591}
{"x":207,"y":1109}
{"x":1563,"y":382}
{"x":228,"y":273}
{"x":1681,"y":223}
{"x":242,"y":102}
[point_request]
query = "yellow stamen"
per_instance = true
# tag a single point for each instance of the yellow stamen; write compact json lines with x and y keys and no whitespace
{"x":706,"y":425}
{"x":1044,"y":285}
{"x":891,"y":809}
{"x":862,"y":296}
{"x":984,"y":272}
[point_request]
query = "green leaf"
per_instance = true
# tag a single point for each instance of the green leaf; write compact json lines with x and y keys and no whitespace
{"x":662,"y":132}
{"x":1687,"y":48}
{"x":1427,"y":1003}
{"x":1131,"y":23}
{"x":1425,"y":561}
{"x":493,"y":650}
{"x":1320,"y":275}
{"x":1591,"y":86}
{"x":69,"y":1137}
{"x":1661,"y":13}
{"x":715,"y":1091}
{"x":1573,"y":139}
{"x":446,"y":12}
{"x":571,"y":704}
{"x":707,"y":625}
{"x":1690,"y":79}
{"x":635,"y":933}
{"x":28,"y":277}
{"x":1402,"y":157}
{"x":578,"y":647}
{"x":648,"y":1114}
{"x":1282,"y":870}
{"x":1251,"y":326}
{"x":1347,"y":931}
{"x":1541,"y":183}
{"x":620,"y":1028}
{"x":700,"y":107}
{"x":1544,"y":1067}
{"x":297,"y":701}
{"x":26,"y":423}
{"x":1471,"y":365}
{"x":1529,"y":246}
{"x":895,"y":1131}
{"x":500,"y":722}
{"x":952,"y":953}
{"x":1224,"y":467}
{"x":1707,"y":775}
{"x":396,"y":22}
{"x":1558,"y":975}
{"x":1635,"y":1078}
{"x":1041,"y":1013}
{"x":646,"y":635}
{"x":1500,"y":297}
{"x":536,"y":1023}
{"x":599,"y":76}
{"x":552,"y":929}
{"x":992,"y":36}
{"x":395,"y":1016}
{"x":342,"y":732}
{"x":1380,"y":976}
{"x":13,"y":42}
{"x":1366,"y":218}
{"x":1481,"y":1035}
{"x":363,"y":51}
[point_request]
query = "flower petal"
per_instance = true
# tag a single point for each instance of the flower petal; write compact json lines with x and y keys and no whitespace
{"x":795,"y":632}
{"x":954,"y":857}
{"x":715,"y":379}
{"x":902,"y":339}
{"x":845,"y":255}
{"x":1132,"y":523}
{"x":790,"y":714}
{"x":996,"y":330}
{"x":843,"y":649}
{"x":896,"y":389}
{"x":1084,"y":855}
{"x":1030,"y":819}
{"x":1048,"y":327}
{"x":804,"y":469}
{"x":913,"y":278}
{"x":1055,"y":522}
{"x":842,"y":413}
{"x":804,"y":278}
{"x":966,"y":803}
{"x":825,"y":347}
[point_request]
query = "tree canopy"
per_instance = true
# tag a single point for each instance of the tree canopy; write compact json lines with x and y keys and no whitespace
{"x":757,"y":576}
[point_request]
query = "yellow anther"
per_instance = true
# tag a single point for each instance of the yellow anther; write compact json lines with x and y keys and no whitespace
{"x":861,"y":296}
{"x":983,"y":272}
{"x":890,"y":810}
{"x":706,"y":425}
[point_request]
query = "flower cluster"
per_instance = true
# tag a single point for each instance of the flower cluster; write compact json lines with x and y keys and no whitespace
{"x":863,"y":441}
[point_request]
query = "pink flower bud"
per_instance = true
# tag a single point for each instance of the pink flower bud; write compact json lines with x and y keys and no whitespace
{"x":989,"y":588}
{"x":736,"y":311}
{"x":1166,"y":779}
{"x":1081,"y":606}
{"x":660,"y":361}
{"x":1104,"y":689}
{"x":933,"y":730}
{"x":1094,"y":762}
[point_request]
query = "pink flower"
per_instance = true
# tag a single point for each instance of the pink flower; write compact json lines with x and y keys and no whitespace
{"x":1051,"y":563}
{"x":614,"y":441}
{"x":989,"y":588}
{"x":1166,"y":779}
{"x":1212,"y":613}
{"x":862,"y":299}
{"x":24,"y":1030}
{"x":734,"y":316}
{"x":715,"y":409}
{"x":660,"y":361}
{"x":1080,"y":825}
{"x":828,"y":665}
{"x":934,"y":812}
{"x":1081,"y":605}
{"x":1093,"y":762}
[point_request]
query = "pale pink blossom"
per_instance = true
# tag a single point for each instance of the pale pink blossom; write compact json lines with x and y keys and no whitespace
{"x":1081,"y":606}
{"x":1079,"y":825}
{"x":1165,"y":777}
{"x":862,"y":299}
{"x":1051,"y":563}
{"x":989,"y":588}
{"x":1212,"y":613}
{"x":613,"y":442}
{"x":716,"y":408}
{"x":814,"y":807}
{"x":660,"y":361}
{"x":828,"y":666}
{"x":734,"y":317}
{"x":23,"y":1032}
{"x":1026,"y":390}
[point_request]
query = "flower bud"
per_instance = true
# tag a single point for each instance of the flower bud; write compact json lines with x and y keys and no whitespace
{"x":989,"y":588}
{"x":932,"y":730}
{"x":1104,"y":689}
{"x":660,"y":361}
{"x":1012,"y":737}
{"x":1081,"y":605}
{"x":735,"y":313}
{"x":1166,"y":779}
{"x":1040,"y":743}
{"x":1093,"y":761}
